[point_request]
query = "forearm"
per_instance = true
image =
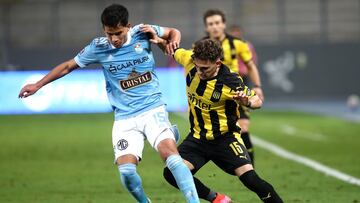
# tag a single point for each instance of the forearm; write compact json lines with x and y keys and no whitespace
{"x":169,"y":41}
{"x":56,"y":73}
{"x":254,"y":74}
{"x":174,"y":35}
{"x":162,"y":44}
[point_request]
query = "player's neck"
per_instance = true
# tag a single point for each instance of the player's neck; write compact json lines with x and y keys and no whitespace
{"x":215,"y":73}
{"x":220,"y":38}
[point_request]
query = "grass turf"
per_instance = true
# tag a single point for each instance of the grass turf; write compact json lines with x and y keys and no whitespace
{"x":68,"y":158}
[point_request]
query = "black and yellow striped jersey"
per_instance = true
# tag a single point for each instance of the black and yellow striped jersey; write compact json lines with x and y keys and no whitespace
{"x":234,"y":49}
{"x":212,"y":110}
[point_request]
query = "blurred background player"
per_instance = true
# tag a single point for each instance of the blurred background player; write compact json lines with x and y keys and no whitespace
{"x":235,"y":49}
{"x":237,"y":32}
{"x":213,"y":94}
{"x":133,"y":91}
{"x":244,"y":120}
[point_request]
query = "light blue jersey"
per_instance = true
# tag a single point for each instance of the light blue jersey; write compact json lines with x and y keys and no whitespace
{"x":131,"y":82}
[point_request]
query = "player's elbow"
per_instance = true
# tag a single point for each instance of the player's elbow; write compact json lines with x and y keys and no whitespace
{"x":175,"y":34}
{"x":69,"y":66}
{"x":251,"y":65}
{"x":176,"y":31}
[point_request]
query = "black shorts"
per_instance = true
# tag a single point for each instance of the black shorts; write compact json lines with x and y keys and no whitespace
{"x":227,"y":152}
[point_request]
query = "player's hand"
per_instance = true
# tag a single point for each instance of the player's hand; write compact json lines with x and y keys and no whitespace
{"x":154,"y":38}
{"x":171,"y":47}
{"x":241,"y":97}
{"x":259,"y":92}
{"x":28,"y":90}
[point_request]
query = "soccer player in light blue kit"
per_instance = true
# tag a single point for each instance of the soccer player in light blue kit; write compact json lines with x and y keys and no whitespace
{"x":133,"y":91}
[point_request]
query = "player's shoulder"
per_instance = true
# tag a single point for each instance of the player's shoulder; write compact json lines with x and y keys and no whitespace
{"x":136,"y":33}
{"x":183,"y":52}
{"x":183,"y":56}
{"x":237,"y":42}
{"x":100,"y":43}
{"x":135,"y":29}
{"x":228,"y":78}
{"x":235,"y":39}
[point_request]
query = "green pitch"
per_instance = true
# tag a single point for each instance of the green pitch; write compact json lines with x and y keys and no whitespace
{"x":68,"y":158}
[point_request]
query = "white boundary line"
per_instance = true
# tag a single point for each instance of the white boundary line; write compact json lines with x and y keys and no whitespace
{"x":305,"y":161}
{"x":299,"y":159}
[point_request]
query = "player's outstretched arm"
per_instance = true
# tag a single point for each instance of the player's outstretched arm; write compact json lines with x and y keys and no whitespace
{"x":253,"y":102}
{"x":173,"y":37}
{"x":255,"y":78}
{"x":162,"y":44}
{"x":168,"y":42}
{"x":58,"y":72}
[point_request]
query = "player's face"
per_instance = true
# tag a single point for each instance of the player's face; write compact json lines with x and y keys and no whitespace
{"x":215,"y":26}
{"x":117,"y":35}
{"x":206,"y":69}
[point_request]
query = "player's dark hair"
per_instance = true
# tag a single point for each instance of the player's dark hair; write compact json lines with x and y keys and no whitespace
{"x":237,"y":28}
{"x":115,"y":15}
{"x":213,"y":12}
{"x":207,"y":49}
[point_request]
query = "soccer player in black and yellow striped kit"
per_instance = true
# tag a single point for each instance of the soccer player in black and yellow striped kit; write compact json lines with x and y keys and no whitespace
{"x":214,"y":93}
{"x":235,"y":50}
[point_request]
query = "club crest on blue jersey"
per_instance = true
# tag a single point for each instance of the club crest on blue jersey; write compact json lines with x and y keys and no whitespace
{"x":138,"y":48}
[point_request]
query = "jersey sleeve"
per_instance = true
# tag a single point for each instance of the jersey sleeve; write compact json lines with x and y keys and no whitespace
{"x":243,"y":50}
{"x":86,"y":56}
{"x":158,"y":29}
{"x":183,"y":57}
{"x":249,"y":92}
{"x":235,"y":83}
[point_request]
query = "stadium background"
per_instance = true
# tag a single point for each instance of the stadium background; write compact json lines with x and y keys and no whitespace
{"x":308,"y":58}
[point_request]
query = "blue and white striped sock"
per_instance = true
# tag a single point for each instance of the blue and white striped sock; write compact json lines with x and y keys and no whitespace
{"x":132,"y":182}
{"x":183,"y":177}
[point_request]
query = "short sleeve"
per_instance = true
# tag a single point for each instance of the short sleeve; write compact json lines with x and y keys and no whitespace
{"x":159,"y":30}
{"x":243,"y":50}
{"x":86,"y":56}
{"x":183,"y":57}
{"x":249,"y":92}
{"x":235,"y":83}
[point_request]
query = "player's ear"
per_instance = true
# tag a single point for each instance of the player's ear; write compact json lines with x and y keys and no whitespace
{"x":218,"y":63}
{"x":128,"y":25}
